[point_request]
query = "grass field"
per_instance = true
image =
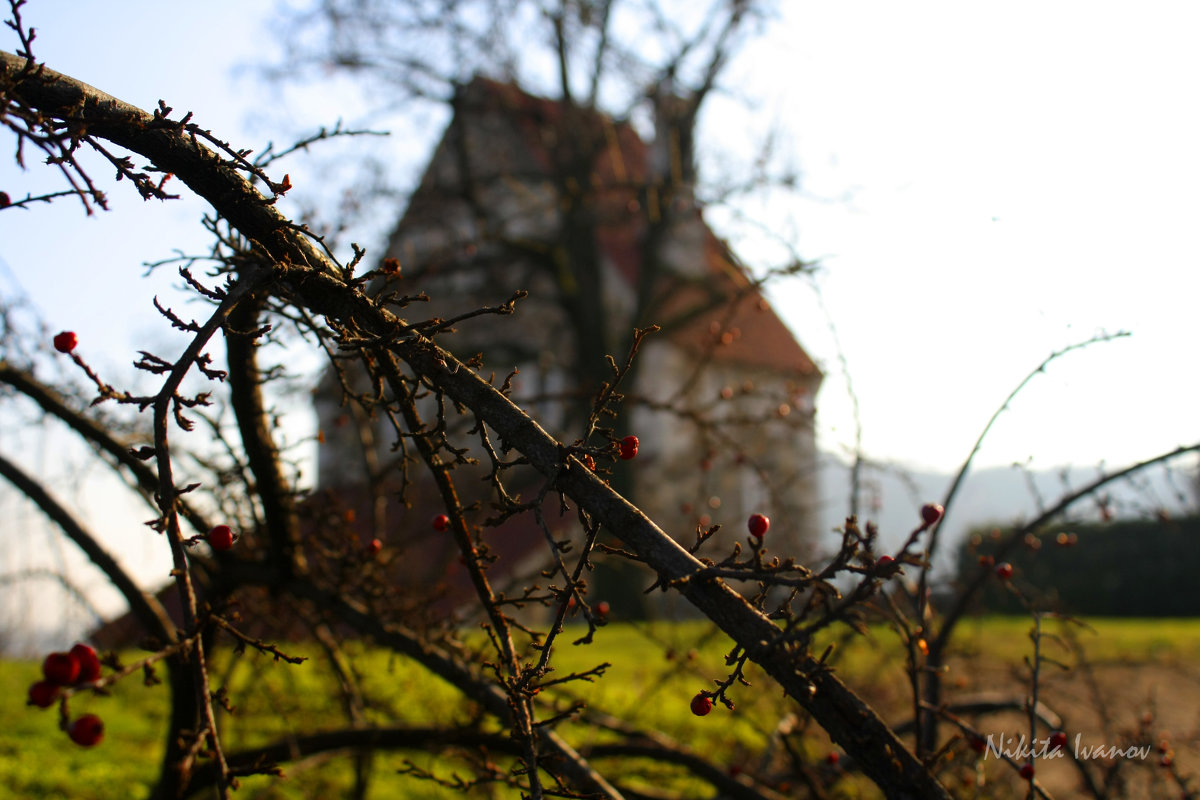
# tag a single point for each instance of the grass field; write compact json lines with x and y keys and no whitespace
{"x":656,"y":670}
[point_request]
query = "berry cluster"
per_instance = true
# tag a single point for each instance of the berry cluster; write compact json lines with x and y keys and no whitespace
{"x":75,"y":667}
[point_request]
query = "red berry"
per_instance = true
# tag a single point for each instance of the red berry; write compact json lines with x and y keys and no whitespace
{"x":61,"y":669}
{"x":977,"y":743}
{"x":833,"y":758}
{"x":86,"y":731}
{"x":65,"y":342}
{"x":89,"y":663}
{"x":1027,"y":771}
{"x":629,"y":447}
{"x":220,"y":538}
{"x":43,"y":694}
{"x":883,"y":561}
{"x":1004,"y":570}
{"x":758,"y":524}
{"x":374,"y":547}
{"x":701,"y":705}
{"x":1058,"y":739}
{"x":931,"y":513}
{"x":441,"y":522}
{"x":602,"y":608}
{"x":5,"y":201}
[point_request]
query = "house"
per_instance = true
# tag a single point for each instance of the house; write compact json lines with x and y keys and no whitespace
{"x":602,"y":231}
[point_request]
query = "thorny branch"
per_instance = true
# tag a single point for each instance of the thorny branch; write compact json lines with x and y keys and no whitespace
{"x":284,"y":269}
{"x":304,"y":272}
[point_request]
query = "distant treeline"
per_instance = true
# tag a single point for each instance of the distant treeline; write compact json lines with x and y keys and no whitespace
{"x":1122,"y":568}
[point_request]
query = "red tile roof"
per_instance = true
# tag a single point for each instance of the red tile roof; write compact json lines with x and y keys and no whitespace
{"x":740,"y":326}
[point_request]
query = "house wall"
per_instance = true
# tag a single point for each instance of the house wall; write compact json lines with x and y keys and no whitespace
{"x":727,"y":452}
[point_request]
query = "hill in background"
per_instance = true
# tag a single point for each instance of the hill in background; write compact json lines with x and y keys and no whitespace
{"x":891,"y":496}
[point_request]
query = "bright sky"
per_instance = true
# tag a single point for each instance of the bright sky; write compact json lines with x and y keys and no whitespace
{"x":1020,"y":176}
{"x":983,"y":184}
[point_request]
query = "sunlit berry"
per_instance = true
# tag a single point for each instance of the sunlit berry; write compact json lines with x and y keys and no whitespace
{"x":758,"y":524}
{"x":602,"y":608}
{"x":1057,"y":739}
{"x":1004,"y":570}
{"x":89,"y":663}
{"x":1027,"y":771}
{"x":441,"y":522}
{"x":374,"y":547}
{"x":43,"y":694}
{"x":629,"y":447}
{"x":61,"y":669}
{"x":66,"y":341}
{"x":86,"y":731}
{"x":701,"y":705}
{"x":220,"y":538}
{"x":931,"y":513}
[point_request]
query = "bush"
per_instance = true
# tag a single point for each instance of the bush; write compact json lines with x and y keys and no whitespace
{"x":1125,"y":568}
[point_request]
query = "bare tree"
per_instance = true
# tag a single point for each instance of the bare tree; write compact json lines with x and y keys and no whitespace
{"x":542,"y":185}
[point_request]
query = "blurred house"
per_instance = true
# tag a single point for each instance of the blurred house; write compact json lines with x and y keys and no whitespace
{"x":722,"y":398}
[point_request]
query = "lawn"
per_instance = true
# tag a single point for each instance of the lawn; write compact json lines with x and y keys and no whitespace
{"x":656,"y":670}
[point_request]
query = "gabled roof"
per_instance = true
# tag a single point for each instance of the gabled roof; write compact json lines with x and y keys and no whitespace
{"x":520,"y":132}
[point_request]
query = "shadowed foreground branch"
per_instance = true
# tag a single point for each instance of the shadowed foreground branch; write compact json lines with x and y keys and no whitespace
{"x":301,"y":273}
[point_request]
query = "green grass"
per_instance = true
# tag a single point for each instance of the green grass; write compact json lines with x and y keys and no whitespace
{"x":38,"y":761}
{"x":655,"y":671}
{"x":1104,"y":640}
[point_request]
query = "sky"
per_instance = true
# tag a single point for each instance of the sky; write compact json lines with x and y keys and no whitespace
{"x":982,"y":184}
{"x":1017,"y":177}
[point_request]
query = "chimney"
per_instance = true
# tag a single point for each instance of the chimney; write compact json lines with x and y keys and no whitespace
{"x":672,"y":157}
{"x":672,"y":170}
